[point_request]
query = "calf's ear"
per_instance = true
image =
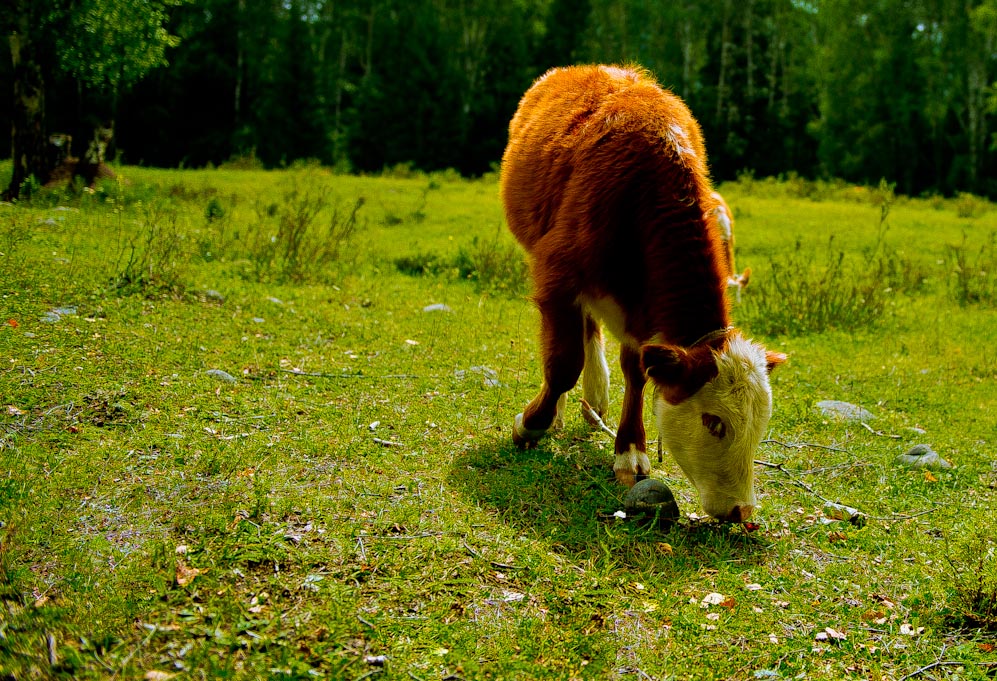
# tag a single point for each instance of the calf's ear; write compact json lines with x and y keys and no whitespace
{"x":774,"y":359}
{"x":678,"y":373}
{"x":664,"y":364}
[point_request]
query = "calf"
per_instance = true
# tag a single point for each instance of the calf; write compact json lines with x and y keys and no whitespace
{"x":605,"y":184}
{"x":724,"y":219}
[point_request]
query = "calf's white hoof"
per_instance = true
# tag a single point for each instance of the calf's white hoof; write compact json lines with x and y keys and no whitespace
{"x":523,"y":436}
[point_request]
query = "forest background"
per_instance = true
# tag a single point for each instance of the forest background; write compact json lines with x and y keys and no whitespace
{"x":902,"y":90}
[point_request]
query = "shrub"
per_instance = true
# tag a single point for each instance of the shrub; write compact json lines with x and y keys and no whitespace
{"x":970,"y":206}
{"x":152,"y":260}
{"x":807,"y":291}
{"x":973,"y":279}
{"x":974,"y":579}
{"x":421,"y":264}
{"x":491,"y":264}
{"x":494,"y":266}
{"x":290,"y":242}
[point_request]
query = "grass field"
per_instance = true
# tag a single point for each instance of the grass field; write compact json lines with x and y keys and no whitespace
{"x":234,"y":442}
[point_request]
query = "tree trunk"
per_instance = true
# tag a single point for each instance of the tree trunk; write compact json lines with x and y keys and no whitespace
{"x":724,"y":63}
{"x":28,"y":115}
{"x":237,"y":95}
{"x":749,"y":49}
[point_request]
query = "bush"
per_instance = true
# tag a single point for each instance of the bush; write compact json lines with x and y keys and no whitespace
{"x":152,"y":261}
{"x":970,"y":206}
{"x":807,"y":291}
{"x":290,"y":242}
{"x":493,"y":265}
{"x":974,"y":579}
{"x":973,"y":279}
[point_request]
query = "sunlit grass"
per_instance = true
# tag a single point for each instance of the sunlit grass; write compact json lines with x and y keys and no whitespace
{"x":352,"y":503}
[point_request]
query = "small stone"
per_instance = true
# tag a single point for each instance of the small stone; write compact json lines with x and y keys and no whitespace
{"x":922,"y":456}
{"x":844,"y":411}
{"x":437,"y":307}
{"x":651,"y":501}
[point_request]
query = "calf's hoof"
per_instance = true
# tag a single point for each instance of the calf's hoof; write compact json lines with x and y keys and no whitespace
{"x":632,"y":466}
{"x":523,"y":436}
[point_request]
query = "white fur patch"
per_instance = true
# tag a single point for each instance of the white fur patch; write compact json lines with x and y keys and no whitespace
{"x":562,"y":402}
{"x":607,"y":311}
{"x":620,"y":74}
{"x":629,"y":464}
{"x":595,"y":378}
{"x":722,"y":469}
{"x":679,"y":139}
{"x":723,"y":220}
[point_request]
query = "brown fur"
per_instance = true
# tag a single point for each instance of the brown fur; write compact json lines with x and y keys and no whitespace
{"x":605,"y":203}
{"x":605,"y":184}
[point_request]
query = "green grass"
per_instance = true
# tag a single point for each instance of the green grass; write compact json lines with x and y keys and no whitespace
{"x":354,"y":493}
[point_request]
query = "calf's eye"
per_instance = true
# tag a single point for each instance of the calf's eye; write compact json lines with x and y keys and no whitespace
{"x":715,"y":425}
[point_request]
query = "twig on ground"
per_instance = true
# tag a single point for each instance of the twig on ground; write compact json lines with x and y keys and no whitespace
{"x":142,"y":644}
{"x":387,"y":443}
{"x":319,"y":374}
{"x":801,"y":445}
{"x":592,"y":417}
{"x":475,"y":554}
{"x":398,"y":537}
{"x":902,"y":516}
{"x":879,"y":432}
{"x":937,"y":663}
{"x":843,"y":466}
{"x":792,"y":478}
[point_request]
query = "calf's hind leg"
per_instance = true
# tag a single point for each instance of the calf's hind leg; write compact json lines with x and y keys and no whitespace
{"x":595,"y":379}
{"x":563,"y":350}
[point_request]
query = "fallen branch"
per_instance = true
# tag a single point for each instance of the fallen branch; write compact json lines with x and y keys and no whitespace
{"x":879,"y":432}
{"x":937,"y":663}
{"x":592,"y":417}
{"x":792,"y":478}
{"x":475,"y":554}
{"x":801,"y":445}
{"x":358,"y":375}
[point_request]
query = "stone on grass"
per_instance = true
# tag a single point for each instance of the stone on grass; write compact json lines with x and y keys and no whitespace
{"x":845,"y":411}
{"x":922,"y":456}
{"x":221,"y":375}
{"x":651,"y":501}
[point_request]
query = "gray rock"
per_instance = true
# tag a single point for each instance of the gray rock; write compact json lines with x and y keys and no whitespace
{"x":55,"y":314}
{"x":922,"y":456}
{"x":844,"y":411}
{"x":221,"y":375}
{"x":437,"y":307}
{"x":651,"y":501}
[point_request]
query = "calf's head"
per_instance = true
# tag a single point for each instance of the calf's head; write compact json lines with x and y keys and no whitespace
{"x":713,"y":407}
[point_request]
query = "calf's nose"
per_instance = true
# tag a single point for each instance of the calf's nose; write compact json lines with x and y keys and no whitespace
{"x":741,"y":513}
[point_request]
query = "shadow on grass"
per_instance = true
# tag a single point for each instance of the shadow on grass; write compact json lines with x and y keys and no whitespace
{"x":564,"y":491}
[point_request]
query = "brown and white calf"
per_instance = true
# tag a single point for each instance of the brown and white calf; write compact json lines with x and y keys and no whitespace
{"x":605,"y":184}
{"x":724,"y":219}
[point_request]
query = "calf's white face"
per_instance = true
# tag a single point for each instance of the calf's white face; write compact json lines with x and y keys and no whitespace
{"x":714,"y":431}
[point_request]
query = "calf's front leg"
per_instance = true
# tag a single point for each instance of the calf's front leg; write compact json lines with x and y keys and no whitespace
{"x":632,"y":464}
{"x":563,"y":351}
